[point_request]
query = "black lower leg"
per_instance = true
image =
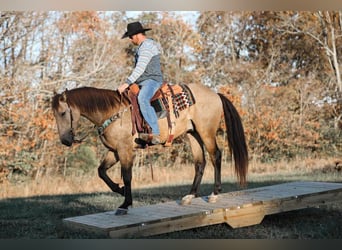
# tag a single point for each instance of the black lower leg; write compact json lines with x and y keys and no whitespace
{"x":127,"y":178}
{"x":199,"y":168}
{"x":113,"y":186}
{"x":217,"y":166}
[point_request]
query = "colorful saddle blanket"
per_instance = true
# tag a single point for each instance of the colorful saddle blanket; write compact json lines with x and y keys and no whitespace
{"x":181,"y":98}
{"x":178,"y":95}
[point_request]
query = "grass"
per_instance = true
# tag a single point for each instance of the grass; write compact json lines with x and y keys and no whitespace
{"x":35,"y":209}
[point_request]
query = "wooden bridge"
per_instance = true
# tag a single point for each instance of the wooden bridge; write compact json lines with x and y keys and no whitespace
{"x":238,"y":209}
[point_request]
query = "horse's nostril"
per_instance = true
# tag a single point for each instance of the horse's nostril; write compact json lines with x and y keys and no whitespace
{"x":67,"y":138}
{"x":66,"y":142}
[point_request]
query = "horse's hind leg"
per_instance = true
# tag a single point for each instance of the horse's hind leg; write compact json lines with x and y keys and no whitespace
{"x":215,"y":157}
{"x":208,"y":138}
{"x":196,"y":144}
{"x":110,"y":159}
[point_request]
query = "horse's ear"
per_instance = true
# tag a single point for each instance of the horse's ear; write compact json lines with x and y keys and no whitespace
{"x":63,"y":97}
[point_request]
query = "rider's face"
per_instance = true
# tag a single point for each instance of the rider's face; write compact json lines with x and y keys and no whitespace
{"x":134,"y":39}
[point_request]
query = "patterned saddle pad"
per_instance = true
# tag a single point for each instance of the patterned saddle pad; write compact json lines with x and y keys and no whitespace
{"x":181,"y":98}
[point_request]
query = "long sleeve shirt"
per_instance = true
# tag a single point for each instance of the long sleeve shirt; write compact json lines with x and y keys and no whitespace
{"x":147,"y":63}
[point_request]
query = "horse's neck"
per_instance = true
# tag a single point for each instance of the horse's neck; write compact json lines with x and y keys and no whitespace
{"x":98,"y":117}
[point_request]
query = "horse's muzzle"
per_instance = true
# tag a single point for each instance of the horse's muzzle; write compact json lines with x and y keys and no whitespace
{"x":68,"y":138}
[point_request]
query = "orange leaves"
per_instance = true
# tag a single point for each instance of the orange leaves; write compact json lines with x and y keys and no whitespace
{"x":86,"y":22}
{"x":10,"y":132}
{"x":234,"y":96}
{"x":40,"y":119}
{"x":274,"y":125}
{"x":27,"y":131}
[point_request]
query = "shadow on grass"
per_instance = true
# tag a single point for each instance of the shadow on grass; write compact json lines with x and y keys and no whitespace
{"x":40,"y":217}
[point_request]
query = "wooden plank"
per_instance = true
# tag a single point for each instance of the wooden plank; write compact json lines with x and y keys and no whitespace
{"x":237,"y":209}
{"x":147,"y":229}
{"x":245,"y":216}
{"x":303,"y":201}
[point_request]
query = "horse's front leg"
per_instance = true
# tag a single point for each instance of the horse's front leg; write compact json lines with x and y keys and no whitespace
{"x":110,"y":159}
{"x":126,"y":160}
{"x":126,"y":172}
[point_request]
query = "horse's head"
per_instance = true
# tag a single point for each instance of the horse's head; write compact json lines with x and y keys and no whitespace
{"x":67,"y":118}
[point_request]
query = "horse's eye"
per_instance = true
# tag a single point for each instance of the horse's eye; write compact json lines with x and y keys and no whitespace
{"x":63,"y":113}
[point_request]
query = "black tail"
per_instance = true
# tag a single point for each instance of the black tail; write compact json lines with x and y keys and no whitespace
{"x":236,"y":139}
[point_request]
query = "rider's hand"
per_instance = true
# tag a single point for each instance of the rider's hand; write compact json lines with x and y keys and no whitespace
{"x":123,"y":87}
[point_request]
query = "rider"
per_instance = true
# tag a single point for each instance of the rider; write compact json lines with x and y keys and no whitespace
{"x":147,"y":74}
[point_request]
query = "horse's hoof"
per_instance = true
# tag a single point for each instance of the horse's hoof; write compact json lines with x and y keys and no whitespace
{"x":121,"y":211}
{"x":186,"y":200}
{"x":212,"y":198}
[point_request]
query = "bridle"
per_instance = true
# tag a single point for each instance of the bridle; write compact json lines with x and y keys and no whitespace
{"x":100,"y":129}
{"x":71,"y":122}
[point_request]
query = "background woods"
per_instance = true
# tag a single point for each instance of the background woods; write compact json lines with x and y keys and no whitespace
{"x":282,"y":70}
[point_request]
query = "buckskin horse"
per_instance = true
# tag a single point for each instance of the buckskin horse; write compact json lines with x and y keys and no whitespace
{"x":111,"y":113}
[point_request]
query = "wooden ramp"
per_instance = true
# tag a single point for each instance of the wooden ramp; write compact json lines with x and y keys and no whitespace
{"x":238,"y":209}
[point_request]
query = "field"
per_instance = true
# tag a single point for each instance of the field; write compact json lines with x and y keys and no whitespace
{"x":34,"y":209}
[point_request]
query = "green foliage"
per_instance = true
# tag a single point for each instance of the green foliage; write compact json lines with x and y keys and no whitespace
{"x":81,"y":161}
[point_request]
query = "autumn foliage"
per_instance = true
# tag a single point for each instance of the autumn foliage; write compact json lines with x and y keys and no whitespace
{"x":280,"y":70}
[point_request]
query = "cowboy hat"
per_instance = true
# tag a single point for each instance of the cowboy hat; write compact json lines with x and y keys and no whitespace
{"x":133,"y":29}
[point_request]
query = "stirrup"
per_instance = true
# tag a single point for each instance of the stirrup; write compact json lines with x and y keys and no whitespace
{"x":149,"y":139}
{"x":140,"y":144}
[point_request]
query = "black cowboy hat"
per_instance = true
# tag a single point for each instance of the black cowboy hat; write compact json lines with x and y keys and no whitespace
{"x":133,"y":29}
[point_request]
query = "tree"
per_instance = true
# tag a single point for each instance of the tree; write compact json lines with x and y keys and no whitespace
{"x":267,"y":54}
{"x":220,"y":51}
{"x":281,"y":70}
{"x":95,"y":54}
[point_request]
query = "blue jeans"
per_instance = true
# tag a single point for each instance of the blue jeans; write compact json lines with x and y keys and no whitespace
{"x":148,"y":89}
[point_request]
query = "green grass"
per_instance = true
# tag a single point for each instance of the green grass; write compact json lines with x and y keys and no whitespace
{"x":40,"y":217}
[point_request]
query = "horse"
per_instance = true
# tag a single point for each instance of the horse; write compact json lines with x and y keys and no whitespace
{"x":200,"y":122}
